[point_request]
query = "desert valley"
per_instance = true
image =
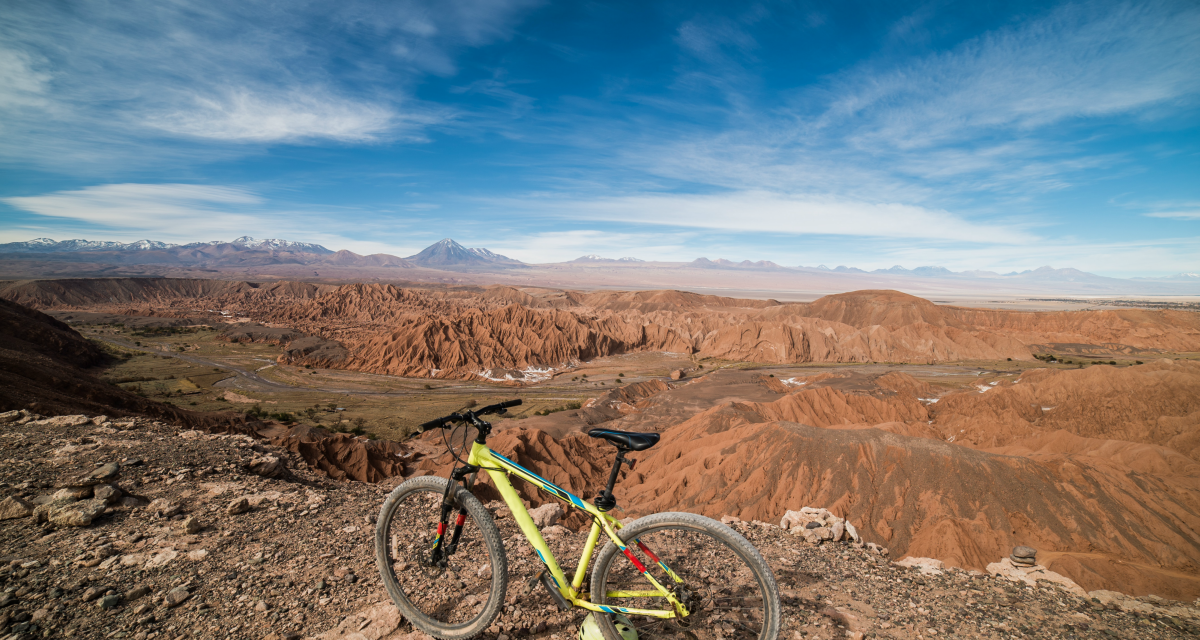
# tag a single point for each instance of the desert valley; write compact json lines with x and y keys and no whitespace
{"x":950,"y":434}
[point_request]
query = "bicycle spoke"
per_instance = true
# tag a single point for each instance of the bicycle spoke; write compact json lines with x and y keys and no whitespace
{"x":720,"y":590}
{"x":455,"y":593}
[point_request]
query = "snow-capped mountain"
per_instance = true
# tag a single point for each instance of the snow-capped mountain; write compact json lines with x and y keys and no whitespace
{"x":272,"y":244}
{"x":49,"y":245}
{"x":447,"y":253}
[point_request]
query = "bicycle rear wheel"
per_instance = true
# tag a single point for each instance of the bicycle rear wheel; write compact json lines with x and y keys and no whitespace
{"x":452,"y":602}
{"x":727,"y":587}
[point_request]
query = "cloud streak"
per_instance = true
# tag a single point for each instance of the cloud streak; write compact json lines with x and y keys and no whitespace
{"x":125,"y":75}
{"x":765,"y":212}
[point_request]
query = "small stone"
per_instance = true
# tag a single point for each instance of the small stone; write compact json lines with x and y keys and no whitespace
{"x":164,"y":508}
{"x":93,"y":592}
{"x":109,"y":601}
{"x":837,"y":530}
{"x":13,"y":507}
{"x":137,"y":593}
{"x":103,"y":474}
{"x":371,"y":518}
{"x":844,"y":617}
{"x":260,"y":606}
{"x":176,"y":596}
{"x":10,"y":416}
{"x":815,"y":524}
{"x":71,"y":494}
{"x":238,"y":506}
{"x":484,"y":571}
{"x":727,"y":520}
{"x":106,"y":492}
{"x":192,"y":525}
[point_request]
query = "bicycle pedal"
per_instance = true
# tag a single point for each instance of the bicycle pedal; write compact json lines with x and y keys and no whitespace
{"x":547,"y":581}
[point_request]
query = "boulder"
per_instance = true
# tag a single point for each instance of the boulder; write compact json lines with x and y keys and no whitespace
{"x":268,"y":466}
{"x":61,"y":421}
{"x":677,"y":374}
{"x":1031,"y":575}
{"x":546,"y":515}
{"x":14,"y":507}
{"x":74,"y":514}
{"x":927,"y":566}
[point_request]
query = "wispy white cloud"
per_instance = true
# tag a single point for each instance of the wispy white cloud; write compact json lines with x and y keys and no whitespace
{"x":1081,"y":60}
{"x":1193,"y":214}
{"x":993,"y":119}
{"x":774,"y":213}
{"x":240,"y":116}
{"x":562,"y":246}
{"x":149,"y":208}
{"x":123,"y":76}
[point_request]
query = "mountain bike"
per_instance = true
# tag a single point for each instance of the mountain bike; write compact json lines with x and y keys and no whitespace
{"x":675,"y":575}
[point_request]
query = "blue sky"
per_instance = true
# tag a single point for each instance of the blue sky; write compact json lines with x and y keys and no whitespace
{"x":972,"y":135}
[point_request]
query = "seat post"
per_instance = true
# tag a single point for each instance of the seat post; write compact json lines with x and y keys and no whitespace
{"x":605,"y":501}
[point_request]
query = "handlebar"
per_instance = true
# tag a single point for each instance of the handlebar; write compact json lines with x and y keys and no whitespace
{"x":469,"y":416}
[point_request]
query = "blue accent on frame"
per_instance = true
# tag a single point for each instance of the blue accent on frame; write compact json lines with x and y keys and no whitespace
{"x":556,"y":490}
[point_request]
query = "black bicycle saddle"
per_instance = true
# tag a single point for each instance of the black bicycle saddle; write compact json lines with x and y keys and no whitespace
{"x":631,"y":440}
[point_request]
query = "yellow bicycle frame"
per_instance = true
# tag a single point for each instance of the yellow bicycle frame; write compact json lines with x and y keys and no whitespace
{"x":499,"y":468}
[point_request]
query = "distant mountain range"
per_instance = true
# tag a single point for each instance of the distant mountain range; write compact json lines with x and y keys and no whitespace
{"x":595,"y":258}
{"x":47,"y":245}
{"x":448,"y":255}
{"x":242,"y":252}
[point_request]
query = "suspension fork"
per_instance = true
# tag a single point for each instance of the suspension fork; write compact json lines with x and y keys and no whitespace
{"x":442,"y":549}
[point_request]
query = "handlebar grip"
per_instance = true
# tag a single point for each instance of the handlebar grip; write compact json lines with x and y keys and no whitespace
{"x":498,"y":407}
{"x":436,"y":423}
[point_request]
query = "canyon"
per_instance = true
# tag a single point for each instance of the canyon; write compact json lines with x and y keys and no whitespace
{"x":941,"y":431}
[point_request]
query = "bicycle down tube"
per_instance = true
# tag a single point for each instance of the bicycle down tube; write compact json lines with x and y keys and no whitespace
{"x":498,"y":468}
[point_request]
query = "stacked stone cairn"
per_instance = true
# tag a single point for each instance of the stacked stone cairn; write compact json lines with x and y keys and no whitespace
{"x":1023,"y":556}
{"x":817,"y":525}
{"x":81,"y":497}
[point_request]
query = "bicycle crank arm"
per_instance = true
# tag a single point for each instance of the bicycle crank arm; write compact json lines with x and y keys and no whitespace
{"x":547,"y":581}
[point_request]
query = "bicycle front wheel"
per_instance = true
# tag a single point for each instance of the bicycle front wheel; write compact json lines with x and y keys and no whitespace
{"x":726,"y":585}
{"x":451,"y":600}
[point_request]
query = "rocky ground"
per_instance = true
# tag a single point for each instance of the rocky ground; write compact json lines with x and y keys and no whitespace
{"x":198,"y":535}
